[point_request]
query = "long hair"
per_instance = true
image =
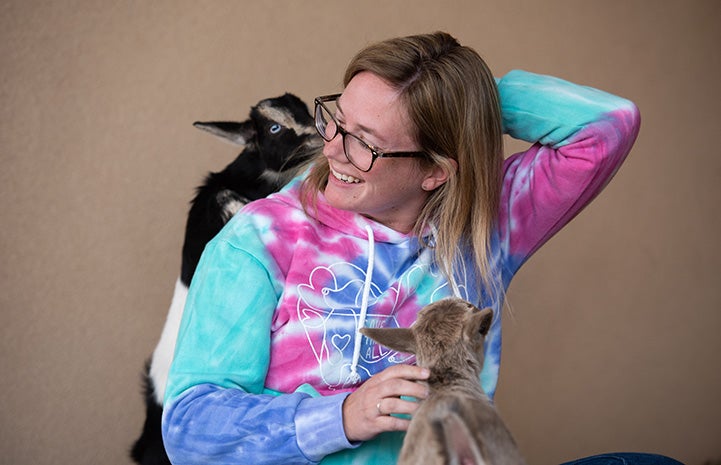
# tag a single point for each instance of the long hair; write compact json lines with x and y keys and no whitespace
{"x":453,"y":104}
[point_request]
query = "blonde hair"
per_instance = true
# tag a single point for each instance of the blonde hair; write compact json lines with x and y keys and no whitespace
{"x":453,"y":103}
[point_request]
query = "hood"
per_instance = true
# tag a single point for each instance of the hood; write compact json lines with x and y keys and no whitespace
{"x":344,"y":221}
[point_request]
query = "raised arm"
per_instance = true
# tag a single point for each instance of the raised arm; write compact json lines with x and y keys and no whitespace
{"x":579,"y":136}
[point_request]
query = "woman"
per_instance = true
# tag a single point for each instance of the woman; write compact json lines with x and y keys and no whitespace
{"x":409,"y":202}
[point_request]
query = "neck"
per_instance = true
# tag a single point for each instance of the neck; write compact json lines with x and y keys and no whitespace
{"x":443,"y":377}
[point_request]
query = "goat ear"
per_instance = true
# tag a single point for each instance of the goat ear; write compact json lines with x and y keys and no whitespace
{"x":231,"y":131}
{"x":400,"y":339}
{"x":480,"y":323}
{"x":460,"y":446}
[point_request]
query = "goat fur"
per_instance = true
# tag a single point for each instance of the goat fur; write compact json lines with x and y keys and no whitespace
{"x":278,"y":136}
{"x":456,"y":424}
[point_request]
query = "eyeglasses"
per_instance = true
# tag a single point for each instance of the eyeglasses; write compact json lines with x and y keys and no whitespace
{"x":360,"y":154}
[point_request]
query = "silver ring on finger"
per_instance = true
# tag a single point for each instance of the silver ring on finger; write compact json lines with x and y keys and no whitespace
{"x":378,"y":407}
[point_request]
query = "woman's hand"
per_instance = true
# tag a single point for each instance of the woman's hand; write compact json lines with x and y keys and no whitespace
{"x":366,"y":412}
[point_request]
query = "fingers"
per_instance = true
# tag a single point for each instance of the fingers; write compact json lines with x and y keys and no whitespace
{"x":364,"y":416}
{"x":410,"y":372}
{"x":367,"y":411}
{"x":390,"y":423}
{"x":399,"y":380}
{"x":401,"y":387}
{"x":396,"y":405}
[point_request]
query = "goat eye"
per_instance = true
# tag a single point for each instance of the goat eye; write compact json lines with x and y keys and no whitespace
{"x":275,"y":129}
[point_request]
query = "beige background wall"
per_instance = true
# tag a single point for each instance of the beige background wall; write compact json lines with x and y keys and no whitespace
{"x":613,"y":343}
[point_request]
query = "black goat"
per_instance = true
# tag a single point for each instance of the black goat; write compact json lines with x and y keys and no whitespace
{"x":277,"y":138}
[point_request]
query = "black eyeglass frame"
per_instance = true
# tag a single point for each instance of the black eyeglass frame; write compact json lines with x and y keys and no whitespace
{"x":375,"y":153}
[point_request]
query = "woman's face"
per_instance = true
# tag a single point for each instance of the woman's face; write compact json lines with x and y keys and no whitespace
{"x":394,"y":191}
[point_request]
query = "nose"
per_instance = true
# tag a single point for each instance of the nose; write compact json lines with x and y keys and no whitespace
{"x":333,"y":149}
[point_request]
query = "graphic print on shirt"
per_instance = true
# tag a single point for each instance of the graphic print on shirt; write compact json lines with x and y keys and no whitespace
{"x":329,"y":308}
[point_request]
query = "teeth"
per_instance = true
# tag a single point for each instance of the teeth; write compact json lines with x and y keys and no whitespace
{"x":345,"y":177}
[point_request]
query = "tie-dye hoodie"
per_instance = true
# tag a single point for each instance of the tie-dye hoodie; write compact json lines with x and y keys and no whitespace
{"x":269,"y":346}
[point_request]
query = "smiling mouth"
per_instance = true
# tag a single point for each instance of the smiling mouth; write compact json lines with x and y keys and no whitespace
{"x":344,"y":177}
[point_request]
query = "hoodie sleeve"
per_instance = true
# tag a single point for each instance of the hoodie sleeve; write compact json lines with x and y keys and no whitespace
{"x":579,"y":136}
{"x":216,"y":408}
{"x":212,"y":424}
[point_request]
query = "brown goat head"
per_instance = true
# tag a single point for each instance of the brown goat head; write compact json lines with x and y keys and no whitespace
{"x":457,"y":424}
{"x":442,"y":335}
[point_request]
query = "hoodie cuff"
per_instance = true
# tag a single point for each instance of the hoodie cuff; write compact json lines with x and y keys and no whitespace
{"x":319,"y":426}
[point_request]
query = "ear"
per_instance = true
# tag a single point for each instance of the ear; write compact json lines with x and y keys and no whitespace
{"x":460,"y":445}
{"x":479,"y":323}
{"x":231,"y":131}
{"x":438,"y":175}
{"x":400,"y":339}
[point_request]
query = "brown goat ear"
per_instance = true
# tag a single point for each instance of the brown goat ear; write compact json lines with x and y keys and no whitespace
{"x":459,"y":443}
{"x":400,"y":339}
{"x":480,"y":323}
{"x":486,"y":320}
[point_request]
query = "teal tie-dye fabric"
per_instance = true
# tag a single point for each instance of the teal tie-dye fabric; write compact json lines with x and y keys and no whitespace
{"x":264,"y":353}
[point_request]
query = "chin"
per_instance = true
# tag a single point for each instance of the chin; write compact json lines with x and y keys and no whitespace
{"x":339,"y":196}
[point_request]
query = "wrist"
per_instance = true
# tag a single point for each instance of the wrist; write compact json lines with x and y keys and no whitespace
{"x":319,"y":424}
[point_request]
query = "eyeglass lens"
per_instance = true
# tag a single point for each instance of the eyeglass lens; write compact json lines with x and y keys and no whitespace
{"x":357,"y":151}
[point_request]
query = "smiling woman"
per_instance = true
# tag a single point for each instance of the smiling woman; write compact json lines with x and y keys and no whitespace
{"x":392,"y":194}
{"x":271,"y":366}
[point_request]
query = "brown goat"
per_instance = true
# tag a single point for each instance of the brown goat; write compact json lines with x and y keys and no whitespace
{"x":456,"y":424}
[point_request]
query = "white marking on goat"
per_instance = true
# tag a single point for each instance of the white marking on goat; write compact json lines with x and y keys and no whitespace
{"x":285,"y":118}
{"x":163,"y":354}
{"x":231,"y":208}
{"x":271,"y":176}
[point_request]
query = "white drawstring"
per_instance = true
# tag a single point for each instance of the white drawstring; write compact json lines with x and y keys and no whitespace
{"x":354,"y":377}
